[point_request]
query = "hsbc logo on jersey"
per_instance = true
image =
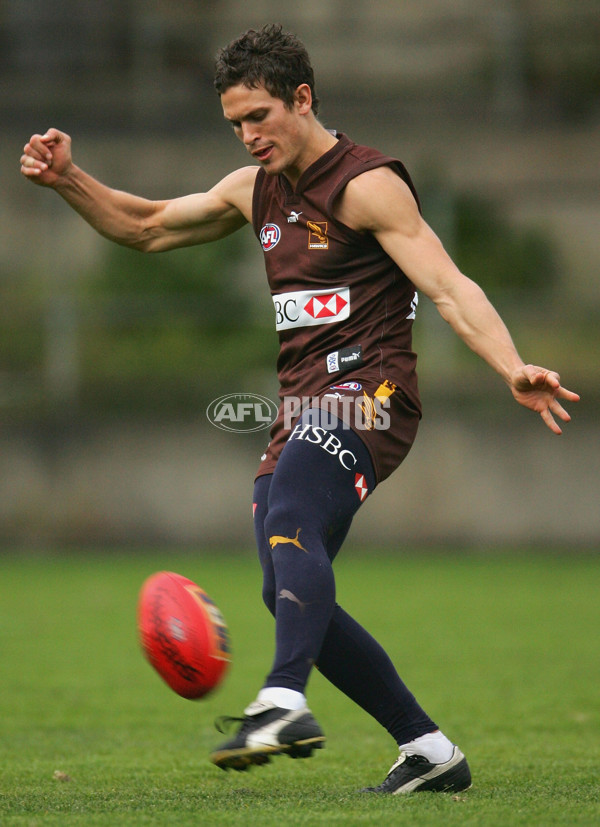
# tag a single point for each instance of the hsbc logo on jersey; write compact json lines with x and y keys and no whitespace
{"x":269,"y":236}
{"x":306,"y":308}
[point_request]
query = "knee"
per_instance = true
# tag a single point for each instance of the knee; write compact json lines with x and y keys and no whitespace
{"x":290,"y":527}
{"x":278,"y":522}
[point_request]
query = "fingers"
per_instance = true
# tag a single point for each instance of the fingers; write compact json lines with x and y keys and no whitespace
{"x":54,"y":135}
{"x":540,"y":376}
{"x":36,"y":157}
{"x":550,"y":421}
{"x":31,"y":166}
{"x":551,"y":384}
{"x":530,"y":377}
{"x":559,"y":411}
{"x":570,"y":396}
{"x":540,"y":390}
{"x":554,"y":407}
{"x":38,"y":147}
{"x":40,"y":153}
{"x":49,"y":138}
{"x":542,"y":379}
{"x":32,"y":163}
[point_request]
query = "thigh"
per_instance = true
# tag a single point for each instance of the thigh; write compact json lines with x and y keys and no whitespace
{"x":322,"y":477}
{"x":260,"y":506}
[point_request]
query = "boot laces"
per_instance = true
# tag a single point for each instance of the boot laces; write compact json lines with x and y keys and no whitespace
{"x":224,"y":723}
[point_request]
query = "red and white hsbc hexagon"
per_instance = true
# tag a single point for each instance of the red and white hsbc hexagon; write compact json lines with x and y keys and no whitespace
{"x":311,"y":307}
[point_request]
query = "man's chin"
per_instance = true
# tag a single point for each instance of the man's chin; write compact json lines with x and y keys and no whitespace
{"x":270,"y":168}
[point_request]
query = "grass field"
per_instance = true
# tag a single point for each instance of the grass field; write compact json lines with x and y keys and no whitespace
{"x":501,"y":649}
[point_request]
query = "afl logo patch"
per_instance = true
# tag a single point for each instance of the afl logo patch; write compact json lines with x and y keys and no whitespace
{"x":269,"y":236}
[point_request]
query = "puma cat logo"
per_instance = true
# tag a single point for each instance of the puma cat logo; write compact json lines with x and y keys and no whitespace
{"x":286,"y":594}
{"x":273,"y":541}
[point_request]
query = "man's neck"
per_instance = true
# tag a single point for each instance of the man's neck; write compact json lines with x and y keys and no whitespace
{"x":320,"y":141}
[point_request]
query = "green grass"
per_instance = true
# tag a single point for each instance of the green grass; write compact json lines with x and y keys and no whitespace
{"x":501,"y":649}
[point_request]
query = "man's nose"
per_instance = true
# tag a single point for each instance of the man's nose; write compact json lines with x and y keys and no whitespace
{"x":249,"y":133}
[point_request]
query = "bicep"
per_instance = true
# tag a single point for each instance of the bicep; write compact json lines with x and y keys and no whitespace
{"x":420,"y":254}
{"x":379,"y":202}
{"x":390,"y":212}
{"x":193,"y":219}
{"x":201,"y":217}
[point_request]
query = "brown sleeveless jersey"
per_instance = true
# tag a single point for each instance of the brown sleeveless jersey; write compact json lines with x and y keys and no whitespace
{"x":343,"y":309}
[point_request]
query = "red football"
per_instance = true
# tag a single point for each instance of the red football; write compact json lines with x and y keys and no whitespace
{"x":183,"y":634}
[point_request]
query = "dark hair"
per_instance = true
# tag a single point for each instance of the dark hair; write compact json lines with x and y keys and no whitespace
{"x":268,"y":56}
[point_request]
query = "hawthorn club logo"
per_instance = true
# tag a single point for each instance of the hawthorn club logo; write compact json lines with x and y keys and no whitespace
{"x":317,"y":235}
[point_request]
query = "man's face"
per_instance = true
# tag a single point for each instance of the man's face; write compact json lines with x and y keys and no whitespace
{"x":271,"y":132}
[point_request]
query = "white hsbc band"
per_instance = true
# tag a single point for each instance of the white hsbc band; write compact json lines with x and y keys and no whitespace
{"x":306,"y":308}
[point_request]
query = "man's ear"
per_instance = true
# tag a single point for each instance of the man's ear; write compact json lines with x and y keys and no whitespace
{"x":303,"y":99}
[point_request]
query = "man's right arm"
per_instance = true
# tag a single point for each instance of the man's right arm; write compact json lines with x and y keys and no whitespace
{"x":151,"y":226}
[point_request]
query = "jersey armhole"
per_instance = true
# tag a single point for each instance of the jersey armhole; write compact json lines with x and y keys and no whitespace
{"x":256,"y":193}
{"x":397,"y":166}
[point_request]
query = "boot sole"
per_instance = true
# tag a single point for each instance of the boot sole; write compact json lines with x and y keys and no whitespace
{"x":243,"y":758}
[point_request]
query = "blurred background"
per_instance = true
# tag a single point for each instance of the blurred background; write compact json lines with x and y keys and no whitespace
{"x":108,"y":359}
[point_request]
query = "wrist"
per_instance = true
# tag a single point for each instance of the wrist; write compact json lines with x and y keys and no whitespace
{"x":66,"y":179}
{"x":512,"y":370}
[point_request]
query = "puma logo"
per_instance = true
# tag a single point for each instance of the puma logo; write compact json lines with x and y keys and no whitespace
{"x":273,"y":541}
{"x":286,"y":594}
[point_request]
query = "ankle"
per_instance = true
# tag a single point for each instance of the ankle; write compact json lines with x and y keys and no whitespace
{"x":434,"y":746}
{"x":282,"y":697}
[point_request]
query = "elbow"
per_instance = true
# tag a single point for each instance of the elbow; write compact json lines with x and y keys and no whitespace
{"x":134,"y":238}
{"x":445,"y":305}
{"x":144,"y":240}
{"x":131,"y":243}
{"x":142,"y":246}
{"x":453,"y":297}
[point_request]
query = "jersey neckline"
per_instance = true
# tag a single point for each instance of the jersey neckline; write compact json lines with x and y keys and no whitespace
{"x":317,"y":167}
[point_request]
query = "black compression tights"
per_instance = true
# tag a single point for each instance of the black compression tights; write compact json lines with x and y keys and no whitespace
{"x":302,"y":515}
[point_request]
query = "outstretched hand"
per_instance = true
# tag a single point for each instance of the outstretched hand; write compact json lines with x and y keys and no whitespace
{"x":540,"y":389}
{"x":46,"y":157}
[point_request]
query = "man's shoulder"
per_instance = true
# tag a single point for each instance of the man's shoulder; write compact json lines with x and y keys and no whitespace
{"x":370,"y":182}
{"x":241,"y":178}
{"x":237,"y":188}
{"x":363,"y":153}
{"x":370,"y":194}
{"x":373,"y":174}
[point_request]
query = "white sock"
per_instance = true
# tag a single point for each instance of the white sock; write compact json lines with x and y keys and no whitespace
{"x":434,"y":746}
{"x":282,"y":697}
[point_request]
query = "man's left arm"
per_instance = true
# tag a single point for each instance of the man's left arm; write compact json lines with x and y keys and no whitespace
{"x":381,"y":203}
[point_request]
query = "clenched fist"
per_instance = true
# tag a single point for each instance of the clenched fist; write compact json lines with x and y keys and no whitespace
{"x":46,"y":158}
